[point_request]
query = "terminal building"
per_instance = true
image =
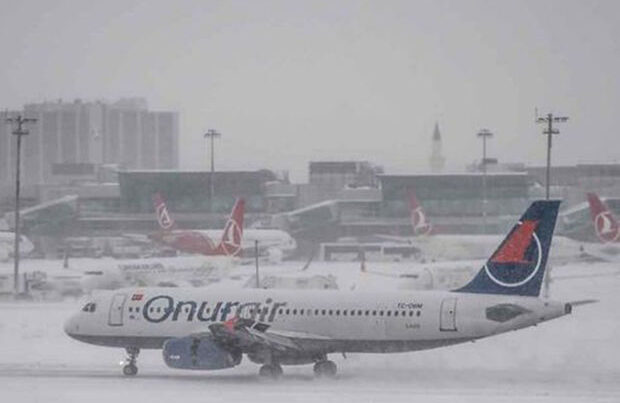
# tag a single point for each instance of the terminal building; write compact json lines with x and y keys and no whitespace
{"x":91,"y":169}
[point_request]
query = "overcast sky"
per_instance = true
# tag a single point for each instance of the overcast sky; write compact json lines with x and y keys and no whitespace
{"x":286,"y":82}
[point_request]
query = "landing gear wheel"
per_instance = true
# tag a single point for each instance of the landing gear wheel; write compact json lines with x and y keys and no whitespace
{"x":325,"y":369}
{"x":270,"y":371}
{"x":131,"y":369}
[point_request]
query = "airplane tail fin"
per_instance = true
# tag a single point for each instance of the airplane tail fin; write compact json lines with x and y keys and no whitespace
{"x":164,"y":219}
{"x":419,"y":222}
{"x":233,"y":231}
{"x":518,"y":265}
{"x":605,"y":223}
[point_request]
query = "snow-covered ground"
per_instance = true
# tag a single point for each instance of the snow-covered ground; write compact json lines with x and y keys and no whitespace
{"x":571,"y":359}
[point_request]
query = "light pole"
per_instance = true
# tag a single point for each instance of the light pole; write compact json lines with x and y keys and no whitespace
{"x":484,"y":134}
{"x":212,"y":134}
{"x":19,"y":131}
{"x":550,"y":131}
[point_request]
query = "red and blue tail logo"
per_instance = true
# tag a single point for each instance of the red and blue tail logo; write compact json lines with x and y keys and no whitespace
{"x":517,"y":267}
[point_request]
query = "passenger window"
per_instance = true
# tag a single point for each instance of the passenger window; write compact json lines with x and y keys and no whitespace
{"x":352,"y":312}
{"x":323,"y":312}
{"x":380,"y":313}
{"x":288,"y":311}
{"x":344,"y":312}
{"x":367,"y":312}
{"x":389,"y":313}
{"x":410,"y":313}
{"x":395,"y":313}
{"x":359,"y":313}
{"x":316,"y":311}
{"x":337,"y":312}
{"x":419,"y":313}
{"x":294,"y":311}
{"x":301,"y":311}
{"x":281,"y":311}
{"x":330,"y":312}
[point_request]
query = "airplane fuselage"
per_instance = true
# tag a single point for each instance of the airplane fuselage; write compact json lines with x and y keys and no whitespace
{"x":320,"y":322}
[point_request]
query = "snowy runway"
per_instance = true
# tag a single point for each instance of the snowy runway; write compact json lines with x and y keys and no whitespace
{"x":572,"y":359}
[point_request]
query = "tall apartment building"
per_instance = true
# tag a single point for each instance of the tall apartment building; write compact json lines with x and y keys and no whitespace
{"x":85,"y":134}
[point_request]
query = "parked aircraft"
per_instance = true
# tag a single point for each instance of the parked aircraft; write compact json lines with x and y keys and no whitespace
{"x":161,"y":271}
{"x":234,"y":239}
{"x":435,"y":246}
{"x":213,"y":330}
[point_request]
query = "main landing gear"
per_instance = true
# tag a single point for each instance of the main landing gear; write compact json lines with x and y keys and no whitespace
{"x":325,"y":369}
{"x":270,"y":371}
{"x":130,"y":368}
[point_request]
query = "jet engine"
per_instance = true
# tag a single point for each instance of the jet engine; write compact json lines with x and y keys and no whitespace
{"x":198,"y":352}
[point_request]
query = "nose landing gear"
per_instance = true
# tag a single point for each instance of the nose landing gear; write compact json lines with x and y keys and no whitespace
{"x":130,"y":368}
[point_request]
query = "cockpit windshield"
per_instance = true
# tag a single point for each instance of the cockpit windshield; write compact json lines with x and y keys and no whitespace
{"x":90,"y":307}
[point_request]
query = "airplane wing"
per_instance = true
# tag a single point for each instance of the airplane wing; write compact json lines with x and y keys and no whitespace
{"x":248,"y":334}
{"x":584,"y":302}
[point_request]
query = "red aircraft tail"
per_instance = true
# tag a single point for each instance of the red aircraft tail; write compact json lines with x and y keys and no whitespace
{"x":418,"y":219}
{"x":164,"y":219}
{"x":232,"y":236}
{"x":605,"y":223}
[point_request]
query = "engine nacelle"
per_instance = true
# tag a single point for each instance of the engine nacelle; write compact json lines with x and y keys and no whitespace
{"x":194,"y":352}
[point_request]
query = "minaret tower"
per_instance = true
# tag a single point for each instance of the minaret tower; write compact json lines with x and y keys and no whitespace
{"x":437,"y":160}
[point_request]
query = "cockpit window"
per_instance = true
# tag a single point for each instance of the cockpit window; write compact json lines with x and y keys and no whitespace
{"x":90,"y":307}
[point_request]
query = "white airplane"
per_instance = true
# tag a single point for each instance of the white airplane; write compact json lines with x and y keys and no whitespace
{"x":163,"y":271}
{"x":448,"y":247}
{"x":212,"y":329}
{"x":87,"y":275}
{"x":273,"y":243}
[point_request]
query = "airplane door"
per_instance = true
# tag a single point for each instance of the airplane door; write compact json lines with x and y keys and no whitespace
{"x":447,"y":319}
{"x":115,"y":317}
